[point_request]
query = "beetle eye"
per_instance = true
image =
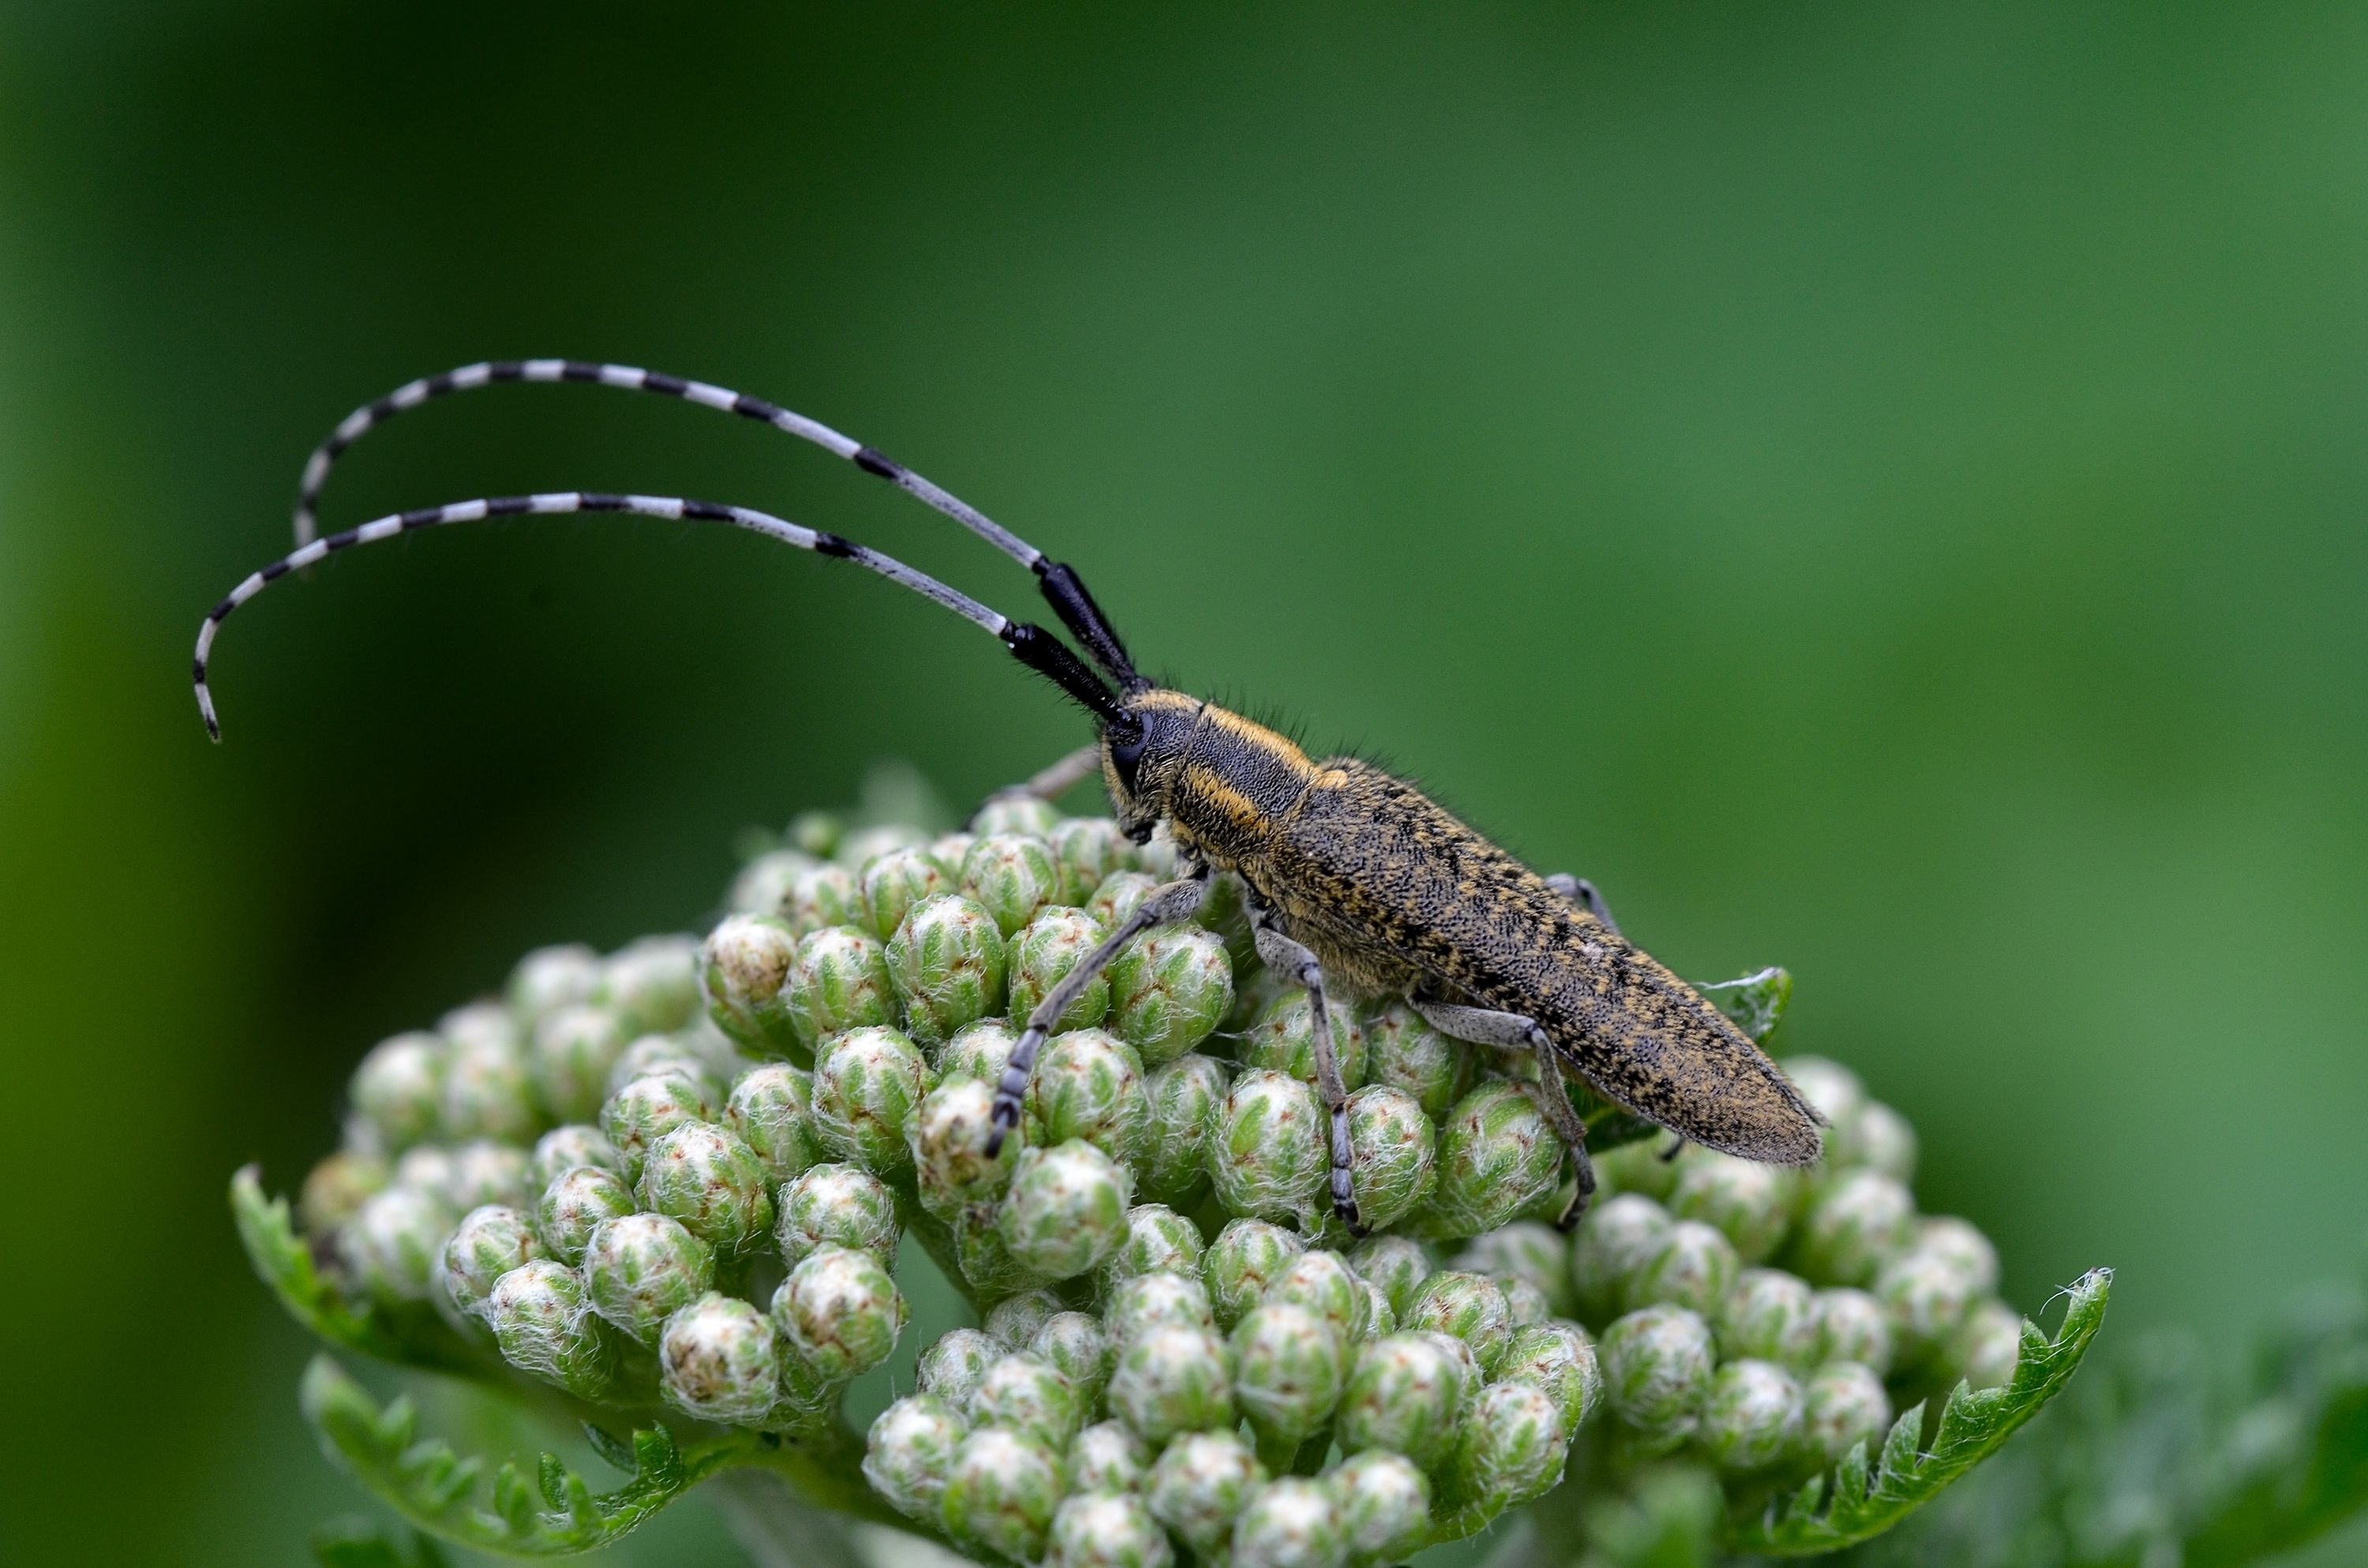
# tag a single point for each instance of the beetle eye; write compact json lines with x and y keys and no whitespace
{"x":1125,"y":748}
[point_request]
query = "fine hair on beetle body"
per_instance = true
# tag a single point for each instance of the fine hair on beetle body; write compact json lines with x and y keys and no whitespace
{"x":1354,"y":880}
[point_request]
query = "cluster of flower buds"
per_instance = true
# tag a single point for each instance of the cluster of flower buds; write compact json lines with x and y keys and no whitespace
{"x":682,"y":1172}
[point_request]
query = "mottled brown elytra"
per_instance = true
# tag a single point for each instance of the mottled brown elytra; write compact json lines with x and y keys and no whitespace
{"x":1352,"y":879}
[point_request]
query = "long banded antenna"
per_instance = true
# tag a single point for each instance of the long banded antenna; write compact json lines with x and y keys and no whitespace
{"x":1033,"y":645}
{"x":1060,"y":585}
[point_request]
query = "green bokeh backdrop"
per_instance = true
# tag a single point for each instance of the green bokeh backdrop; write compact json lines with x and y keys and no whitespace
{"x":1878,"y":488}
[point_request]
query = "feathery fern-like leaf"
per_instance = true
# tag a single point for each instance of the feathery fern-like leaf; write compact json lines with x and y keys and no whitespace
{"x":283,"y":1262}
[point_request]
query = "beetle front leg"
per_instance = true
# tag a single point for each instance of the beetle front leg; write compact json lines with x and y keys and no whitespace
{"x":1282,"y":955}
{"x":1482,"y":1025}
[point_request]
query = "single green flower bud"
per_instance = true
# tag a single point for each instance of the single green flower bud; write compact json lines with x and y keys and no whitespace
{"x":483,"y":1171}
{"x":392,"y":1246}
{"x":1393,"y":1156}
{"x":951,"y":1369}
{"x":1927,"y":1296}
{"x":840,"y":1312}
{"x":1171,"y":1379}
{"x":664,"y":1056}
{"x":1770,"y":1315}
{"x":541,"y":1321}
{"x":1856,"y":1224}
{"x":1013,"y":1322}
{"x":573,"y":1204}
{"x":717,"y":1362}
{"x":867,"y":1084}
{"x":1963,"y":1245}
{"x":1842,"y":1405}
{"x":1525,"y":1250}
{"x":1404,"y":1051}
{"x":1752,"y":1417}
{"x":1289,"y":1369}
{"x":1988,"y":1347}
{"x":1635,"y":1167}
{"x":564,"y":1148}
{"x":1066,"y":1209}
{"x":427,"y":1167}
{"x":821,"y":897}
{"x":1043,"y":953}
{"x":399,"y":1089}
{"x":1169,"y":990}
{"x":838,"y":982}
{"x":771,"y":1109}
{"x":1088,"y":851}
{"x":1027,"y":1393}
{"x":1470,"y":1307}
{"x":1012,"y":876}
{"x":336,"y":1189}
{"x":1880,"y":1139}
{"x":645,"y":1110}
{"x":1749,"y":1202}
{"x":744,"y":966}
{"x":978,"y":1050}
{"x":639,"y":1269}
{"x":488,"y":1092}
{"x":1384,"y":1507}
{"x":909,"y":1453}
{"x":948,"y":1135}
{"x":1023,"y":815}
{"x":1148,"y":1300}
{"x":1088,"y":1084}
{"x":1695,"y":1268}
{"x":706,"y":1177}
{"x":1284,"y":1039}
{"x":763,"y":884}
{"x":1107,"y":1529}
{"x":1397,"y":1265}
{"x":1001,"y":1493}
{"x":835,"y":1205}
{"x":1829,"y":1087}
{"x":1109,"y":1456}
{"x":1405,"y":1393}
{"x":550,"y":977}
{"x":1074,"y":1344}
{"x":1323,"y":1282}
{"x":1469,"y":1377}
{"x":1380,"y":1318}
{"x":948,"y":963}
{"x":1291,"y":1523}
{"x":1159,"y":1240}
{"x":1269,"y":1148}
{"x":653,"y":984}
{"x":1246,"y":1256}
{"x":1511,"y":1446}
{"x":1496,"y":1157}
{"x":1557,"y":1356}
{"x":892,"y":883}
{"x":1656,"y":1365}
{"x":1184,"y":1098}
{"x":1200,"y":1486}
{"x":1852,"y":1326}
{"x":1117,"y":897}
{"x":816,"y":833}
{"x":490,"y":1241}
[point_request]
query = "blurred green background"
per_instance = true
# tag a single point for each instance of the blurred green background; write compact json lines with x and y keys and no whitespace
{"x":1878,"y":488}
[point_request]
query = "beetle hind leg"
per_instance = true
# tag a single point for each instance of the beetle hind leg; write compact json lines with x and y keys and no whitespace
{"x":1482,"y":1025}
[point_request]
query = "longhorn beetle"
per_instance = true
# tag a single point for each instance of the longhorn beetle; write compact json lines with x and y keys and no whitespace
{"x":1350,"y":877}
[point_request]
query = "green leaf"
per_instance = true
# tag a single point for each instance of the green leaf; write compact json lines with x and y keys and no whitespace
{"x":1867,"y":1500}
{"x":1756,"y":1003}
{"x":437,"y":1490}
{"x":2276,"y":1494}
{"x":283,"y":1260}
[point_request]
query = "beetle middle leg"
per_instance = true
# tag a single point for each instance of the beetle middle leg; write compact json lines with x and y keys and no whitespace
{"x":1483,"y":1026}
{"x":1582,"y":892}
{"x":1283,"y":956}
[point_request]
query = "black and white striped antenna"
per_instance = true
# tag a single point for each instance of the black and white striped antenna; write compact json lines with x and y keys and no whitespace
{"x":1060,"y":585}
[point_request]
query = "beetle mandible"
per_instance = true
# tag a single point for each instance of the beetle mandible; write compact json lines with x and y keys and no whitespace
{"x":1352,"y":879}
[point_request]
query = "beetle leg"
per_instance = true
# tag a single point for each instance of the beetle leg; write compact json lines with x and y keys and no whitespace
{"x":1482,"y":1025}
{"x":1582,"y":892}
{"x":1285,"y":955}
{"x":1165,"y":906}
{"x":1058,"y":780}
